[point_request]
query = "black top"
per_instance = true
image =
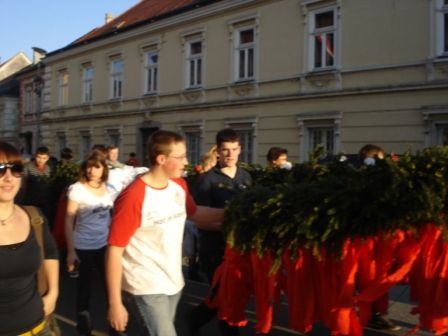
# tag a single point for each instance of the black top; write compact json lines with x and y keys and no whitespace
{"x":21,"y":307}
{"x":37,"y":187}
{"x":214,"y":189}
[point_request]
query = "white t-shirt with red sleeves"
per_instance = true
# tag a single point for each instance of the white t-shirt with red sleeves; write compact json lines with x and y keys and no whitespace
{"x":149,"y":223}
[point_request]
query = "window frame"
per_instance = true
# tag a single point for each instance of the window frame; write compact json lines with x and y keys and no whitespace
{"x":196,"y":128}
{"x":63,"y":87}
{"x":84,"y":146}
{"x":441,"y":29}
{"x":116,"y":78}
{"x":245,"y":47}
{"x":314,"y":120}
{"x":28,"y":101}
{"x":87,"y":84}
{"x":313,"y":32}
{"x":194,"y":79}
{"x":151,"y":71}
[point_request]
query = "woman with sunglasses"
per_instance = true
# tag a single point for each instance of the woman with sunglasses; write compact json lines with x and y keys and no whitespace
{"x":87,"y":224}
{"x":22,"y":309}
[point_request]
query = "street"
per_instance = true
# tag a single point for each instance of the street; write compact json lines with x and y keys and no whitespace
{"x":193,"y":293}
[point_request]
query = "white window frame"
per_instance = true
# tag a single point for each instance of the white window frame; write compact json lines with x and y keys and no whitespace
{"x":247,"y":131}
{"x":313,"y":32}
{"x":151,"y":72}
{"x":441,"y":13}
{"x":63,"y":82}
{"x":194,"y":79}
{"x":308,"y":122}
{"x":116,"y":78}
{"x":245,"y":48}
{"x":87,"y":84}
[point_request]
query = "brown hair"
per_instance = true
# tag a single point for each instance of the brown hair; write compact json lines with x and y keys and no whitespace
{"x":8,"y":153}
{"x":94,"y":159}
{"x":160,"y":143}
{"x":370,"y":150}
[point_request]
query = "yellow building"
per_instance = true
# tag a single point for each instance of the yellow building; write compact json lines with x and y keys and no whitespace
{"x":291,"y":73}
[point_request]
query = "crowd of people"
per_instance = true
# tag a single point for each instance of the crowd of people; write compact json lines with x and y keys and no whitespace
{"x":125,"y":222}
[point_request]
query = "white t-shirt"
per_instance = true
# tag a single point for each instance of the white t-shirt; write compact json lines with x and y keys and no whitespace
{"x":149,"y":224}
{"x":92,"y":219}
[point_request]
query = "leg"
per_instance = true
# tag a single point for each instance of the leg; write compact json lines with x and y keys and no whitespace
{"x":156,"y":313}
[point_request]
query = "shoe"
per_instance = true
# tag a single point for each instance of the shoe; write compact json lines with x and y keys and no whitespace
{"x":381,"y":322}
{"x":84,"y":326}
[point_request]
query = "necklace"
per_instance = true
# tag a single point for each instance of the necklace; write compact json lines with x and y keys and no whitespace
{"x":7,"y":219}
{"x":91,"y":186}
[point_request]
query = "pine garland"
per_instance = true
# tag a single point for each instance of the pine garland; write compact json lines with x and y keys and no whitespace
{"x":319,"y":206}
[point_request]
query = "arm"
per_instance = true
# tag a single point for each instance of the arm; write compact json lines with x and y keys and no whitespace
{"x":117,"y":314}
{"x":51,"y":267}
{"x":207,"y":218}
{"x":72,"y":209}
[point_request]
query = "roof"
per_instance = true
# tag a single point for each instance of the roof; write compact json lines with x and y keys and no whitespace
{"x":144,"y":12}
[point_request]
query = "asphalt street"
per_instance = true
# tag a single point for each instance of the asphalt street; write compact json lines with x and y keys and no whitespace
{"x":193,"y":293}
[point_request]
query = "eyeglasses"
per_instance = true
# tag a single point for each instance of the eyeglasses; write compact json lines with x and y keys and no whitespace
{"x":182,"y":157}
{"x":16,"y":169}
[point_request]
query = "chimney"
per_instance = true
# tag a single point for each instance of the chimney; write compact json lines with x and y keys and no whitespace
{"x":109,"y":17}
{"x":38,"y":54}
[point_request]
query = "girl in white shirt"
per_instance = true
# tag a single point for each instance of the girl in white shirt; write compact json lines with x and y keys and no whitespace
{"x":87,"y":227}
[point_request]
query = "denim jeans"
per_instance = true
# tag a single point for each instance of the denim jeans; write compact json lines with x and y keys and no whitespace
{"x":154,"y":313}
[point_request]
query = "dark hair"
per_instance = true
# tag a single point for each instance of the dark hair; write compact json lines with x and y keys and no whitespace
{"x":132,"y":154}
{"x":66,"y":153}
{"x":370,"y":150}
{"x":94,"y":159}
{"x":8,"y":153}
{"x":42,"y":151}
{"x":226,"y":135}
{"x":99,"y":148}
{"x":275,"y":152}
{"x":160,"y":143}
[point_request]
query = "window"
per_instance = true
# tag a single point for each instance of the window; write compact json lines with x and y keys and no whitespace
{"x":113,"y":137}
{"x":63,"y":87}
{"x":87,"y":84}
{"x":85,"y":143}
{"x":151,"y":70}
{"x":322,"y":39}
{"x":247,"y":144}
{"x":323,"y":136}
{"x":442,"y":28}
{"x":193,"y":141}
{"x":245,"y":54}
{"x":435,"y":125}
{"x":194,"y":64}
{"x":61,"y":142}
{"x":28,"y":101}
{"x":318,"y":128}
{"x":116,"y":78}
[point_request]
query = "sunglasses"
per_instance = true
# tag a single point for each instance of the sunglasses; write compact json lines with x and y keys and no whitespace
{"x":16,"y":169}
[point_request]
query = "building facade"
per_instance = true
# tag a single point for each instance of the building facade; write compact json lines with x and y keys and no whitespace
{"x":291,"y":73}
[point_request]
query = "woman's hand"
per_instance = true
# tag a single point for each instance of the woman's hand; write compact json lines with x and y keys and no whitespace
{"x":49,"y":301}
{"x":72,"y":260}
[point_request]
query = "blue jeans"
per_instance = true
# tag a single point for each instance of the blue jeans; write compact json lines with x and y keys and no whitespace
{"x":154,"y":313}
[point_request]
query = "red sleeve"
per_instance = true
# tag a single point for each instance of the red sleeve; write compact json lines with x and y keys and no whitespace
{"x":190,"y":204}
{"x":127,"y":214}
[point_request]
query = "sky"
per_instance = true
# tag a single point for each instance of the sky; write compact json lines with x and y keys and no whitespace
{"x":51,"y":24}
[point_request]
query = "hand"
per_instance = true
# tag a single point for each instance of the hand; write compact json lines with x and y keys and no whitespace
{"x":71,"y":260}
{"x":49,"y":301}
{"x":118,"y":317}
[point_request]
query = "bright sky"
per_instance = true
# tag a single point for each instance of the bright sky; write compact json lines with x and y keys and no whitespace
{"x":51,"y":24}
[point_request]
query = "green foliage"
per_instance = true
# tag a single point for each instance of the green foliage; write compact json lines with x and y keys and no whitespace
{"x":315,"y":205}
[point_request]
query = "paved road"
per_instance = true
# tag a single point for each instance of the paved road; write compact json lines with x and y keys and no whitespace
{"x":194,"y":291}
